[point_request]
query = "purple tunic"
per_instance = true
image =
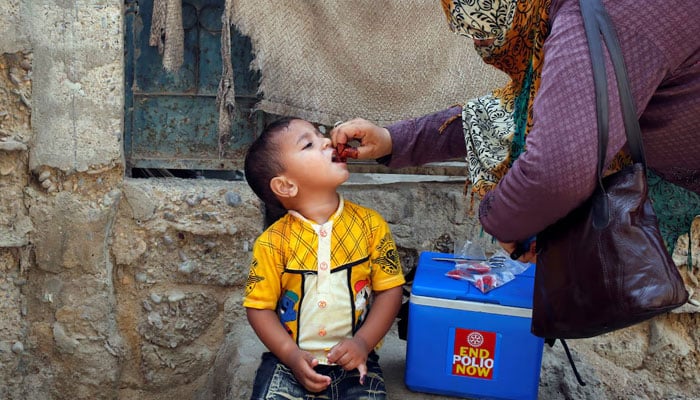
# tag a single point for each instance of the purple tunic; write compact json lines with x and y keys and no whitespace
{"x":661,"y":46}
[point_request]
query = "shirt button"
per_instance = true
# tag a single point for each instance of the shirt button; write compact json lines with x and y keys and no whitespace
{"x":321,"y":332}
{"x":323,"y":233}
{"x":322,"y":304}
{"x":324,"y":266}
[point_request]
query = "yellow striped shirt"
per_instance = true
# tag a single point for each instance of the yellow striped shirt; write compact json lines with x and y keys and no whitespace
{"x":320,"y":278}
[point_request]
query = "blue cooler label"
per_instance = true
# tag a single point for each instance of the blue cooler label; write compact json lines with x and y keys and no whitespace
{"x":474,"y":353}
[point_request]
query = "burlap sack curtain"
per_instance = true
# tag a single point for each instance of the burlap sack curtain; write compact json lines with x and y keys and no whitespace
{"x":167,"y":32}
{"x":326,"y":61}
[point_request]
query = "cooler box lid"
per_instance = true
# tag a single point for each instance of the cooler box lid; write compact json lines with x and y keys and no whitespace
{"x":430,"y":281}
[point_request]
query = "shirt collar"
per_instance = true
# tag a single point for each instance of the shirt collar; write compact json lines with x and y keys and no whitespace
{"x":336,"y":214}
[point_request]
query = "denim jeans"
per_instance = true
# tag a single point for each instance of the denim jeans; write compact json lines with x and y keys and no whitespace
{"x":273,"y":380}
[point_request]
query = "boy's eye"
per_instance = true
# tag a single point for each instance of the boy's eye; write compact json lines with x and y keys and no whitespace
{"x":308,"y":145}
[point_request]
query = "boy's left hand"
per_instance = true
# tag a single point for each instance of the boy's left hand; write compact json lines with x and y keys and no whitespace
{"x":350,"y":353}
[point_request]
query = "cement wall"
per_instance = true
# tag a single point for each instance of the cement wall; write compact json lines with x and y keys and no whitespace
{"x":117,"y":288}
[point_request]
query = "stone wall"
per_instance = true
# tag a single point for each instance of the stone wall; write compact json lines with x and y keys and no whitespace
{"x":116,"y":288}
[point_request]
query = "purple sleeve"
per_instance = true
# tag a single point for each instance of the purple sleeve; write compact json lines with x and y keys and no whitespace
{"x":431,"y":138}
{"x":557,"y":172}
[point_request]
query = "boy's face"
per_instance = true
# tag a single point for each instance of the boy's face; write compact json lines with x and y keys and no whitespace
{"x":307,"y":158}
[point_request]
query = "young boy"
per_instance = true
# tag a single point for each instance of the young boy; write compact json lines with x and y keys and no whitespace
{"x":325,"y":280}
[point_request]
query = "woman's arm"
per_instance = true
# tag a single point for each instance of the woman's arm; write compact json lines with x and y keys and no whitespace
{"x":557,"y":172}
{"x":430,"y":138}
{"x":434,"y":137}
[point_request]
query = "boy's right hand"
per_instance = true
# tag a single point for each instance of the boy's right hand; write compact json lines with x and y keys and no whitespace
{"x":267,"y":326}
{"x":302,"y":364}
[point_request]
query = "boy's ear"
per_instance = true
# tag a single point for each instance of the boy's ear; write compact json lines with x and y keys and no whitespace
{"x":283,"y":187}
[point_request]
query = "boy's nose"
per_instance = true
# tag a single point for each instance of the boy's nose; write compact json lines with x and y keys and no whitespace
{"x":327,"y":142}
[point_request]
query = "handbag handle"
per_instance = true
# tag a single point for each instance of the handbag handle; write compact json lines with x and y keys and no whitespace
{"x":596,"y":21}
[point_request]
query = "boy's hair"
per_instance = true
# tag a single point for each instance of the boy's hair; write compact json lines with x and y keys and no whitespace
{"x":262,"y":163}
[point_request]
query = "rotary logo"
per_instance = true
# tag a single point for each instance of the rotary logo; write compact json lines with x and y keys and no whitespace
{"x":474,"y":353}
{"x":475,"y":339}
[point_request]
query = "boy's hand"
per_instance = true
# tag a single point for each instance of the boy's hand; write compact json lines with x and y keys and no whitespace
{"x":267,"y":326}
{"x":302,"y":364}
{"x":350,"y":353}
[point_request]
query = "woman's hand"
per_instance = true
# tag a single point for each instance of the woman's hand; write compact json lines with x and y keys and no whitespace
{"x":375,"y":141}
{"x":529,"y":256}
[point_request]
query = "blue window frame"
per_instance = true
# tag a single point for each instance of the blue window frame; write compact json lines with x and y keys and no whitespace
{"x":171,"y":119}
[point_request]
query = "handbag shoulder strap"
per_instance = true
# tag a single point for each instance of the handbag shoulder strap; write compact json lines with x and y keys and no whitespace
{"x":596,"y":22}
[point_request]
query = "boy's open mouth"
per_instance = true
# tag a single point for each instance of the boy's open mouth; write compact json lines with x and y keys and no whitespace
{"x":342,"y":152}
{"x":335,"y":157}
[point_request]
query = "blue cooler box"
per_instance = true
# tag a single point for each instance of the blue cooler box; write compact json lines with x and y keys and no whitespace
{"x":465,"y":343}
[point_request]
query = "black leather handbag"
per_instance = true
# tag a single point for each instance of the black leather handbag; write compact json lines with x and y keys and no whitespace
{"x":605,"y":266}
